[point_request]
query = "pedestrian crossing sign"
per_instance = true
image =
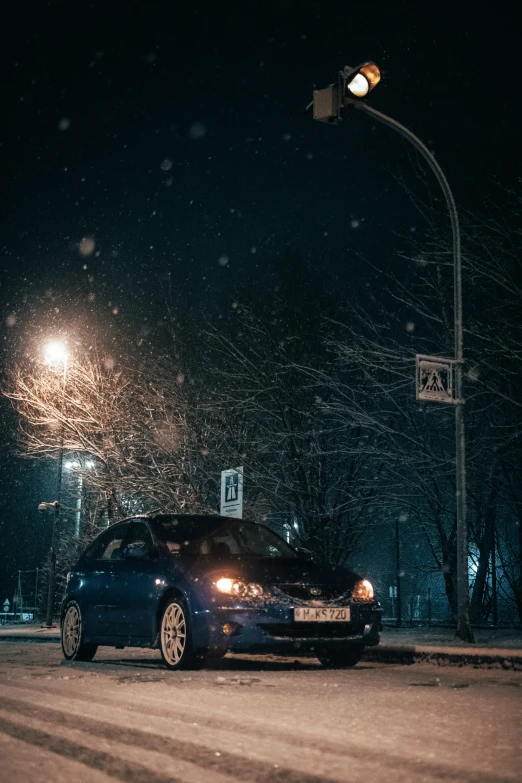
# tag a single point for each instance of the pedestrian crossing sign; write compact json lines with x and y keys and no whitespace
{"x":434,"y":378}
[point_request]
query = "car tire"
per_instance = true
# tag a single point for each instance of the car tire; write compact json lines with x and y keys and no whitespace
{"x":73,"y":646}
{"x":341,"y":657}
{"x":175,"y":637}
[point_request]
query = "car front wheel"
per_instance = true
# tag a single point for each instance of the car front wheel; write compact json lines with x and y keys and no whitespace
{"x":73,"y":646}
{"x":341,"y":657}
{"x":176,"y":646}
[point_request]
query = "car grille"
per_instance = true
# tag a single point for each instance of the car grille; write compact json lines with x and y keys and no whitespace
{"x":312,"y":592}
{"x":312,"y":630}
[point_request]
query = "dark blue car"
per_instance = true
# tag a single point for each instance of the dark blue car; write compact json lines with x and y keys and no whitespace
{"x":198,"y":586}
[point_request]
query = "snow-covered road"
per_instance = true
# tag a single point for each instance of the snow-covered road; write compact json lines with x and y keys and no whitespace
{"x":124,"y":717}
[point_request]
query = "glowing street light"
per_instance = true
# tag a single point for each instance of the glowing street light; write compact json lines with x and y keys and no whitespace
{"x":353,"y":85}
{"x":359,"y":81}
{"x":76,"y":465}
{"x":56,"y":353}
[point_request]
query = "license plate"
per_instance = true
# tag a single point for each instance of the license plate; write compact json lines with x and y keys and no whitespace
{"x":330,"y":614}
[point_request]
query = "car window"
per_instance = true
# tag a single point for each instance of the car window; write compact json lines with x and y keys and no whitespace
{"x":137,"y":535}
{"x":108,"y":545}
{"x":221,"y":538}
{"x":221,"y":544}
{"x":261,"y":542}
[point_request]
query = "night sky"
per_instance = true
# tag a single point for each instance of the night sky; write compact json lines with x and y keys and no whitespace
{"x":166,"y":146}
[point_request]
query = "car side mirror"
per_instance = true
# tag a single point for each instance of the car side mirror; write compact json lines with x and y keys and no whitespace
{"x":139,"y":551}
{"x":306,"y":554}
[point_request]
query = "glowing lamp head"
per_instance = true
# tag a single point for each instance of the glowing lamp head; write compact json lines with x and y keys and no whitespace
{"x":359,"y":86}
{"x":55,"y":353}
{"x":360,"y":80}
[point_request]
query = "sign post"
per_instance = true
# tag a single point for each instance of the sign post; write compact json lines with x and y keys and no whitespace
{"x":232,"y":493}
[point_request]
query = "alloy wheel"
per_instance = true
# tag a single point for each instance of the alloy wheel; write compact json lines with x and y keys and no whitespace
{"x":71,"y":631}
{"x":173,"y":634}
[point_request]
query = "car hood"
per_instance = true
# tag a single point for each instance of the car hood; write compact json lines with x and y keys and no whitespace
{"x":272,"y":571}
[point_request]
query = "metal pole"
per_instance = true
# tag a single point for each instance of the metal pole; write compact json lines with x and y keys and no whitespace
{"x":19,"y":599}
{"x":494,"y":576}
{"x":78,"y":507}
{"x":464,"y":630}
{"x":36,"y":596}
{"x":398,"y":569}
{"x":56,"y":515}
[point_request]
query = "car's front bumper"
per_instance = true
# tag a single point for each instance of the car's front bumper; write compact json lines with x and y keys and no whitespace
{"x":271,"y":628}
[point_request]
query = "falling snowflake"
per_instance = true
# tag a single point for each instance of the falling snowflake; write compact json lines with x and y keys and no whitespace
{"x":64,"y":124}
{"x":86,"y":246}
{"x":223,"y":260}
{"x":197,"y":130}
{"x":166,"y":164}
{"x":10,"y":320}
{"x":355,"y":223}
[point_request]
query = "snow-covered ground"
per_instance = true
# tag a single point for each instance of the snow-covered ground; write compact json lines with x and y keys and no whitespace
{"x":258,"y":719}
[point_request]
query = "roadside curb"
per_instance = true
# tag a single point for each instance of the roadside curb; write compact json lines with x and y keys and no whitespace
{"x":21,"y":637}
{"x":479,"y":658}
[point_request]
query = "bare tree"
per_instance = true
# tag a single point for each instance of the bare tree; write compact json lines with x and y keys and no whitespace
{"x":266,"y":380}
{"x":377,"y":358}
{"x":131,"y":422}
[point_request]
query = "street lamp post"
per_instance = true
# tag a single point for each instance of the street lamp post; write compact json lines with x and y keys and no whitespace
{"x":56,"y":354}
{"x":79,"y":467}
{"x":353,"y":84}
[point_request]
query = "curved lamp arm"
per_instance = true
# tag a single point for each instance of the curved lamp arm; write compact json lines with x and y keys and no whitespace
{"x":450,"y":201}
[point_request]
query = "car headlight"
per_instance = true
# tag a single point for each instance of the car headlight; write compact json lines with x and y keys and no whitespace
{"x":363,"y":590}
{"x":239,"y":588}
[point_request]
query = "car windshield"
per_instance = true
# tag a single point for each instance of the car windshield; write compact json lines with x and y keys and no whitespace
{"x":233,"y":538}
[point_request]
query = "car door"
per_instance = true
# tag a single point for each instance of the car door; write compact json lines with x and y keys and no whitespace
{"x":97,"y":579}
{"x":134,"y":586}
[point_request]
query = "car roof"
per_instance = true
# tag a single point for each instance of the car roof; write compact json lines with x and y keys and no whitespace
{"x":153,"y":516}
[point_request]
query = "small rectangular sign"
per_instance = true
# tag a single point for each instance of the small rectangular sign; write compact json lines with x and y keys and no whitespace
{"x":434,"y":378}
{"x":232,"y":493}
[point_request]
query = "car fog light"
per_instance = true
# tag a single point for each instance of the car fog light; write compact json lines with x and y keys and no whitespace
{"x":228,"y":629}
{"x":367,"y":629}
